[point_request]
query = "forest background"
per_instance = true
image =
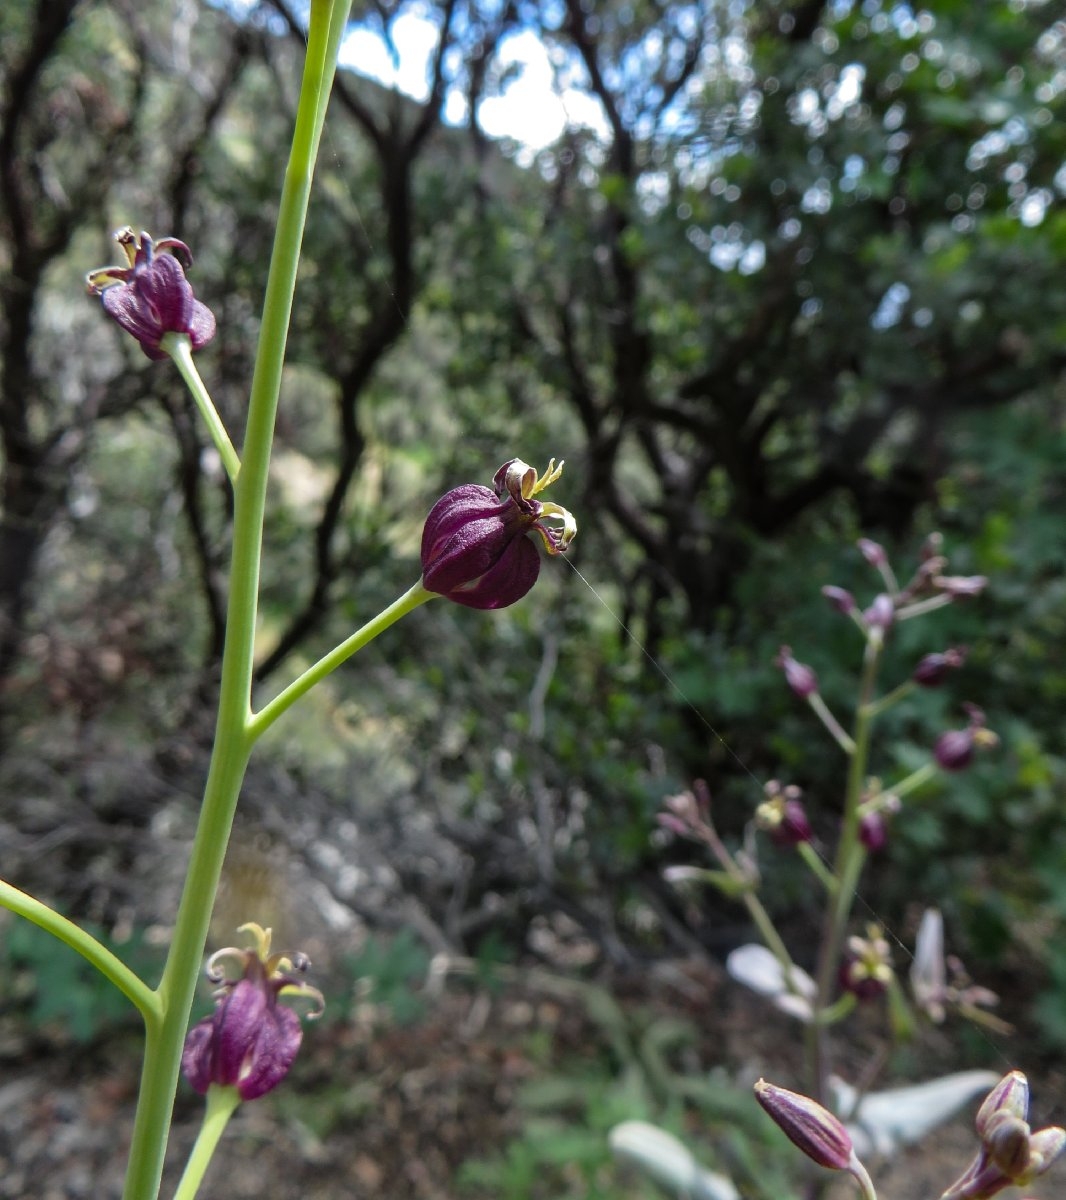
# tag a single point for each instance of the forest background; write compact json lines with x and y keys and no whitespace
{"x":805,"y":284}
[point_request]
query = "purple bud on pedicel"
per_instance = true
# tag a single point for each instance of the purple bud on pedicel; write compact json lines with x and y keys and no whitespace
{"x":809,"y":1126}
{"x":250,"y":1041}
{"x":799,"y":677}
{"x":873,"y":831}
{"x":474,"y":545}
{"x":840,"y":598}
{"x":954,"y":749}
{"x":150,"y":297}
{"x":881,"y":614}
{"x":873,"y":552}
{"x":933,"y":669}
{"x":1010,"y":1095}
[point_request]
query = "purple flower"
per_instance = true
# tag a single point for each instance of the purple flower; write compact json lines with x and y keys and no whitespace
{"x":151,"y":297}
{"x":799,"y":677}
{"x":783,"y":816}
{"x":250,"y":1041}
{"x":866,"y":968}
{"x":954,"y":749}
{"x":474,"y":545}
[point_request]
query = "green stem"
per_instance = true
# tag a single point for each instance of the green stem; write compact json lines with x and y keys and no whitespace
{"x":222,"y":1103}
{"x":847,"y":868}
{"x":269,"y":713}
{"x":817,"y":867}
{"x":178,"y":346}
{"x":756,"y":910}
{"x":876,"y":707}
{"x":913,"y":781}
{"x":862,"y":1178}
{"x":86,"y":945}
{"x":233,"y":741}
{"x":831,"y":723}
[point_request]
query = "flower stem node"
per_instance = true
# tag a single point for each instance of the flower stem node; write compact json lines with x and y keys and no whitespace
{"x":250,"y":1041}
{"x":474,"y":545}
{"x":150,"y":296}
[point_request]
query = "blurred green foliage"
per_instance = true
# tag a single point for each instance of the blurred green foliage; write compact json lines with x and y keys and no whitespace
{"x":809,"y":289}
{"x":59,"y":994}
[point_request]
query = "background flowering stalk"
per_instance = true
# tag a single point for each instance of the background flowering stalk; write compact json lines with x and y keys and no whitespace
{"x":850,"y":970}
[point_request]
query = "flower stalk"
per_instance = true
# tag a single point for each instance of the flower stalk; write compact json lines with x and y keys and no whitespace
{"x":234,"y":736}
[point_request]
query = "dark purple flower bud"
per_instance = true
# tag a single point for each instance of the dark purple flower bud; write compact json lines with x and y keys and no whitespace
{"x":809,"y":1126}
{"x":873,"y":552}
{"x":840,"y":598}
{"x":873,"y":831}
{"x":933,"y":669}
{"x":474,"y":545}
{"x":151,"y":297}
{"x":954,"y":749}
{"x":881,"y":614}
{"x":250,"y":1041}
{"x":799,"y":677}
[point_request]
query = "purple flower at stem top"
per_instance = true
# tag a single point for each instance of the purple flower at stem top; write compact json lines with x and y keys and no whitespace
{"x":150,"y":296}
{"x":250,"y":1041}
{"x":475,"y":548}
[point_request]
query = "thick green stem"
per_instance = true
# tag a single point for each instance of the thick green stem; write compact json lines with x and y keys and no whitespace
{"x":86,"y":945}
{"x":221,"y":1104}
{"x":269,"y":713}
{"x":233,"y":736}
{"x":178,"y":346}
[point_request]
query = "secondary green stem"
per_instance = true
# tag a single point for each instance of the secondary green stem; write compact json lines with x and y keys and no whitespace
{"x":222,"y":1103}
{"x":87,"y":946}
{"x":269,"y":713}
{"x":847,"y":868}
{"x":233,"y":738}
{"x":178,"y":346}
